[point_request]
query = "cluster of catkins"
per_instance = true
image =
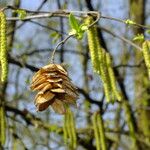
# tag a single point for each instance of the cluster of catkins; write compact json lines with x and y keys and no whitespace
{"x":102,"y":64}
{"x":54,"y":88}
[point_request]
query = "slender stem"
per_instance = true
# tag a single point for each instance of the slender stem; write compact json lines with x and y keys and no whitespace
{"x":122,"y":38}
{"x":124,"y":21}
{"x":60,"y":43}
{"x":45,"y":14}
{"x":97,"y":19}
{"x":65,"y":13}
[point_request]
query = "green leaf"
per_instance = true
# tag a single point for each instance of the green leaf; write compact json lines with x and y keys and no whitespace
{"x":74,"y":24}
{"x":77,"y":29}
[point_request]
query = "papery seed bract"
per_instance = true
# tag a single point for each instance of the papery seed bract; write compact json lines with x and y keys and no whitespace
{"x":58,"y":90}
{"x":58,"y":106}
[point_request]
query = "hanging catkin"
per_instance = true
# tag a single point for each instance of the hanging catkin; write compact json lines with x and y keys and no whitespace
{"x":112,"y":78}
{"x":101,"y":132}
{"x":69,"y":130}
{"x":72,"y":130}
{"x":102,"y":64}
{"x":98,"y":56}
{"x":3,"y":47}
{"x":93,"y":47}
{"x":96,"y":131}
{"x":65,"y":130}
{"x":2,"y":126}
{"x":146,"y":55}
{"x":105,"y":76}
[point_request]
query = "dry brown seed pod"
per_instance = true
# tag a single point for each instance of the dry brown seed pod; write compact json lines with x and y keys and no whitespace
{"x":62,"y":70}
{"x":44,"y":97}
{"x":71,"y":93}
{"x":47,"y":87}
{"x":51,"y":74}
{"x":57,"y":85}
{"x":42,"y":101}
{"x":39,"y":81}
{"x":70,"y":86}
{"x":54,"y":80}
{"x":54,"y":88}
{"x":54,"y":67}
{"x":58,"y":106}
{"x":63,"y":77}
{"x":58,"y":90}
{"x":36,"y":76}
{"x":40,"y":87}
{"x":68,"y":99}
{"x":42,"y":106}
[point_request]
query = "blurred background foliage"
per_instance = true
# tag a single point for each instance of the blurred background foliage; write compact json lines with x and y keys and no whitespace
{"x":121,"y":126}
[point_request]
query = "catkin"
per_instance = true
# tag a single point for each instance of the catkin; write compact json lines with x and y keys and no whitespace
{"x":112,"y":78}
{"x":2,"y":126}
{"x":69,"y":133}
{"x":69,"y":130}
{"x":93,"y":47}
{"x":102,"y":64}
{"x":146,"y":55}
{"x":101,"y":132}
{"x":105,"y":76}
{"x":98,"y":57}
{"x":3,"y":47}
{"x":96,"y":132}
{"x":65,"y":132}
{"x":72,"y":130}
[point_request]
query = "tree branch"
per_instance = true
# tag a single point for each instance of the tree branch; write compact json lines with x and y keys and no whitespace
{"x":20,"y":64}
{"x":122,"y":38}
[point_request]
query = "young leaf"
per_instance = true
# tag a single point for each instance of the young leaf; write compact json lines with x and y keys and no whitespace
{"x":129,"y":22}
{"x":21,"y":13}
{"x":73,"y":22}
{"x":139,"y":37}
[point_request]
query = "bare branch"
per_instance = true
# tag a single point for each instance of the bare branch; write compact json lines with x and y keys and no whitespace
{"x":124,"y":21}
{"x":122,"y":38}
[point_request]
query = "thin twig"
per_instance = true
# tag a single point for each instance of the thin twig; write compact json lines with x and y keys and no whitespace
{"x":38,"y":9}
{"x":129,"y":65}
{"x":124,"y":21}
{"x":60,"y":43}
{"x":122,"y":38}
{"x":47,"y":27}
{"x":59,"y":13}
{"x":97,"y":19}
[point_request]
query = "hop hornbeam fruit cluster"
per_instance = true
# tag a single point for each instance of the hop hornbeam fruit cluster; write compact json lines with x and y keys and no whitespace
{"x":54,"y":88}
